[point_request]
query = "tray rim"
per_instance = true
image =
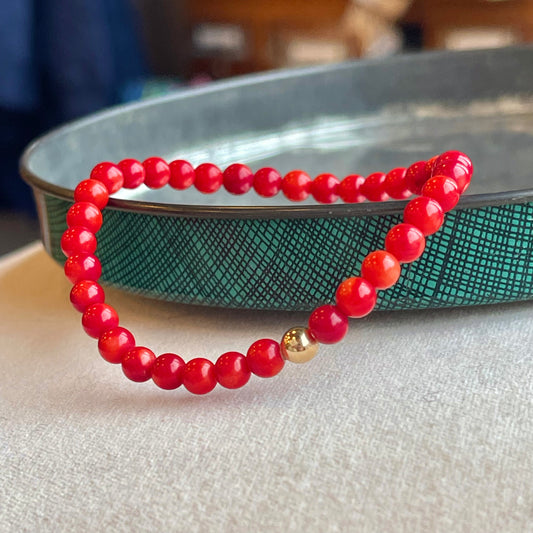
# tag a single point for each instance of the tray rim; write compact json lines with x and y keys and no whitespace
{"x":259,"y":212}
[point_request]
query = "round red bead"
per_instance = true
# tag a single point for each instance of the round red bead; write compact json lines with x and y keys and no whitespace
{"x":238,"y":178}
{"x":424,"y":213}
{"x":444,"y":190}
{"x":430,"y":164}
{"x":92,"y":191}
{"x":85,"y":293}
{"x":296,"y":185}
{"x":381,"y":269}
{"x":77,"y":240}
{"x":406,"y":242}
{"x":324,"y":188}
{"x":456,"y":165}
{"x":373,"y":188}
{"x":395,"y":184}
{"x":181,"y":174}
{"x":137,"y":364}
{"x":356,"y":297}
{"x":109,"y":174}
{"x":199,"y":376}
{"x":350,"y":189}
{"x":328,"y":324}
{"x":82,"y":266}
{"x":86,"y":215}
{"x":416,"y":175}
{"x":264,"y":358}
{"x":168,"y":370}
{"x":133,"y":172}
{"x":157,"y":172}
{"x":267,"y":182}
{"x":114,"y":343}
{"x":232,"y":370}
{"x":208,"y":178}
{"x":98,"y":318}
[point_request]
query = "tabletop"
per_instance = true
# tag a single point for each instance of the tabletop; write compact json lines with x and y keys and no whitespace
{"x":418,"y":421}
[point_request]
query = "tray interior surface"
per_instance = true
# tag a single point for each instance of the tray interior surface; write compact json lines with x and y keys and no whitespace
{"x":351,"y":118}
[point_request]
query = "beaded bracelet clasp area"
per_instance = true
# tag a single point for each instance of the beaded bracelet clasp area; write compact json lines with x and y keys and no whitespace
{"x":438,"y":184}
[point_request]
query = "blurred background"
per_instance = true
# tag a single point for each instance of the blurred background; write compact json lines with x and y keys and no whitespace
{"x":61,"y":59}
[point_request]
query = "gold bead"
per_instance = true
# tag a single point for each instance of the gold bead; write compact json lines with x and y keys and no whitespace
{"x":298,"y":346}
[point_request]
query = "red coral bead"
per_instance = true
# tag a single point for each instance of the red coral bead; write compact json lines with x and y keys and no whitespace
{"x":395,"y":184}
{"x":430,"y":164}
{"x":85,"y":293}
{"x":350,"y":189}
{"x":98,"y":318}
{"x":456,"y":165}
{"x":208,"y":178}
{"x":232,"y":370}
{"x":168,"y":370}
{"x":296,"y":185}
{"x":267,"y":182}
{"x":109,"y":174}
{"x":137,"y":364}
{"x":82,"y":266}
{"x":77,"y":240}
{"x":181,"y":174}
{"x":199,"y":376}
{"x":356,"y":297}
{"x":86,"y":215}
{"x":114,"y":343}
{"x":238,"y":178}
{"x":324,"y":188}
{"x":424,"y":213}
{"x":328,"y":324}
{"x":406,"y":242}
{"x":264,"y":358}
{"x":133,"y":172}
{"x":381,"y":269}
{"x":416,"y":175}
{"x":444,"y":190}
{"x":374,"y":187}
{"x":157,"y":172}
{"x":92,"y":191}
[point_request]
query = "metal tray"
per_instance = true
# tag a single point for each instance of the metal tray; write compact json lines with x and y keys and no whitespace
{"x":356,"y":117}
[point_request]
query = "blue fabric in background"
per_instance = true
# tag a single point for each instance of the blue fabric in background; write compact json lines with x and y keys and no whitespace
{"x":59,"y":59}
{"x":19,"y":84}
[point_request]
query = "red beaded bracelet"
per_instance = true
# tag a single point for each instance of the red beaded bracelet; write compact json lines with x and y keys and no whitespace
{"x":439,"y":182}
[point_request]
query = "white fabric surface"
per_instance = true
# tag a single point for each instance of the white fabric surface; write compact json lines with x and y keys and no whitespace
{"x":419,"y":421}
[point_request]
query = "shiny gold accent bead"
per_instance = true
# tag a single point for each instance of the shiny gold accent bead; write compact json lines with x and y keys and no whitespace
{"x":298,"y":346}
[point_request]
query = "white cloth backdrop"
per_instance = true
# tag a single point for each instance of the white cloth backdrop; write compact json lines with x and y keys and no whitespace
{"x":419,"y":421}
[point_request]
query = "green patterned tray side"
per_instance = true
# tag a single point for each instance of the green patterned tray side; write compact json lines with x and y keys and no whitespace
{"x":480,"y":256}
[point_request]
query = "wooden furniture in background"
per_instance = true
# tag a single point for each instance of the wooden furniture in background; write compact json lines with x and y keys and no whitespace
{"x":227,"y":37}
{"x":451,"y":23}
{"x":264,"y":24}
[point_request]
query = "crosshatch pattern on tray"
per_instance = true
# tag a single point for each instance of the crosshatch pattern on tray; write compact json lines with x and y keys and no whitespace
{"x":480,"y":256}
